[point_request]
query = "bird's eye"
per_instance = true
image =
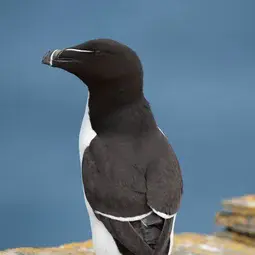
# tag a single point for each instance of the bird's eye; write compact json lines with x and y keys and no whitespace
{"x":97,"y":52}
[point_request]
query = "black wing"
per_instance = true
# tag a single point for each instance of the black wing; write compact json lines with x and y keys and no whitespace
{"x":116,"y":197}
{"x":164,"y":191}
{"x":164,"y":184}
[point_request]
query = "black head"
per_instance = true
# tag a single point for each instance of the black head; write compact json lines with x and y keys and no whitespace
{"x":98,"y":62}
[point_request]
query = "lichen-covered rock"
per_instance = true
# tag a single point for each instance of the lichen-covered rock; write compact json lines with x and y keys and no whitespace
{"x":244,"y":205}
{"x":237,"y":237}
{"x":185,"y":244}
{"x":237,"y":222}
{"x":195,"y":244}
{"x":238,"y":219}
{"x":84,"y":248}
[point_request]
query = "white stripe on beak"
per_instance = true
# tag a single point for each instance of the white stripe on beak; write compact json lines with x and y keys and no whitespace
{"x":77,"y":50}
{"x":51,"y":56}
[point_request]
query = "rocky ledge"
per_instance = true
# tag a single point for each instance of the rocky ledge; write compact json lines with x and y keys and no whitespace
{"x":237,"y":237}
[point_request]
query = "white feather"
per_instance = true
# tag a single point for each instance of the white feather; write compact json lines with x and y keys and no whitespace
{"x":163,"y":215}
{"x":123,"y":219}
{"x":172,"y":236}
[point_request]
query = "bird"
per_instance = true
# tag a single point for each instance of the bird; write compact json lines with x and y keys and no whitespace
{"x":132,"y":180}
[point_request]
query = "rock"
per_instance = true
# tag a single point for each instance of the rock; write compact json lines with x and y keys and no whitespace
{"x":185,"y":244}
{"x":237,"y":222}
{"x":195,"y":244}
{"x":244,"y":205}
{"x":84,"y":248}
{"x":238,"y":219}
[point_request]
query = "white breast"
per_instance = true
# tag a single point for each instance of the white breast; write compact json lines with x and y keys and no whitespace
{"x":103,"y":242}
{"x":86,"y":133}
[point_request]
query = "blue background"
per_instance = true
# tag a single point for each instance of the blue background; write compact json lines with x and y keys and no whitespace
{"x":199,"y":63}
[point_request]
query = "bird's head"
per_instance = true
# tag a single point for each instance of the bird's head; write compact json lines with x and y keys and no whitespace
{"x":98,"y":62}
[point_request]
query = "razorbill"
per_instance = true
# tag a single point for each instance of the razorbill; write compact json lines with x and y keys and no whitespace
{"x":131,"y":176}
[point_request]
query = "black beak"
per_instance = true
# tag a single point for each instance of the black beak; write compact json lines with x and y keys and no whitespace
{"x":50,"y":57}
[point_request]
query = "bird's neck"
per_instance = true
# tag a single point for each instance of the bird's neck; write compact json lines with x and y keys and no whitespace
{"x":122,"y":114}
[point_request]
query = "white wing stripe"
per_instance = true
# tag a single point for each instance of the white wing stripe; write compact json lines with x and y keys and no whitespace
{"x":163,"y":215}
{"x":134,"y":218}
